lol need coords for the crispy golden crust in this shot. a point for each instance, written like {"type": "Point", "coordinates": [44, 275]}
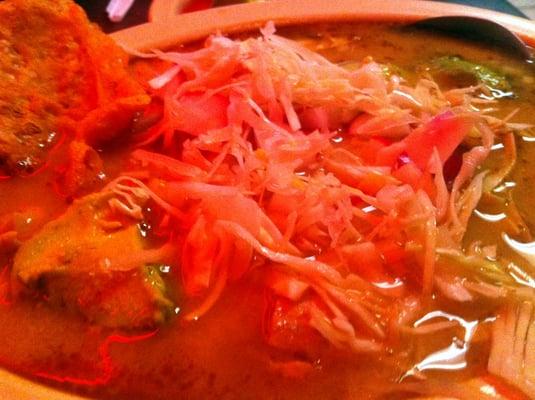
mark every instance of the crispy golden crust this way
{"type": "Point", "coordinates": [56, 69]}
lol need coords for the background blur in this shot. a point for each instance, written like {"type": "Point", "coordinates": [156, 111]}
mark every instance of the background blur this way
{"type": "Point", "coordinates": [527, 7]}
{"type": "Point", "coordinates": [96, 9]}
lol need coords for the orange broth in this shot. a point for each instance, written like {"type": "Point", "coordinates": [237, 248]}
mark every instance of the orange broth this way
{"type": "Point", "coordinates": [223, 355]}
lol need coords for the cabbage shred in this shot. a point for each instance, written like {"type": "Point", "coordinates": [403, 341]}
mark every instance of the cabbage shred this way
{"type": "Point", "coordinates": [331, 180]}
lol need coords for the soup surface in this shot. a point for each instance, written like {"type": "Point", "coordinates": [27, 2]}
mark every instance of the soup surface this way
{"type": "Point", "coordinates": [139, 263]}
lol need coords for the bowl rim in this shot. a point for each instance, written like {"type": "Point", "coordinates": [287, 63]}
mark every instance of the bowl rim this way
{"type": "Point", "coordinates": [193, 26]}
{"type": "Point", "coordinates": [247, 17]}
{"type": "Point", "coordinates": [13, 386]}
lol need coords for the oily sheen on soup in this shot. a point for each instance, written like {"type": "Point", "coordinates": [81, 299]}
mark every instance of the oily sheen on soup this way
{"type": "Point", "coordinates": [337, 211]}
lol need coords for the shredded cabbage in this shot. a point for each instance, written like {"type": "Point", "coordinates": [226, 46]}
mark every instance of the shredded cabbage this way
{"type": "Point", "coordinates": [246, 160]}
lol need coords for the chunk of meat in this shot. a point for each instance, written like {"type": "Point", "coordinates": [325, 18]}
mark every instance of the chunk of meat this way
{"type": "Point", "coordinates": [121, 299]}
{"type": "Point", "coordinates": [83, 172]}
{"type": "Point", "coordinates": [286, 327]}
{"type": "Point", "coordinates": [58, 82]}
{"type": "Point", "coordinates": [17, 226]}
{"type": "Point", "coordinates": [98, 267]}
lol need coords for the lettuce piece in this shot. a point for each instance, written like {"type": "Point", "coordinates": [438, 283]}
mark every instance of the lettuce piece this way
{"type": "Point", "coordinates": [490, 271]}
{"type": "Point", "coordinates": [495, 81]}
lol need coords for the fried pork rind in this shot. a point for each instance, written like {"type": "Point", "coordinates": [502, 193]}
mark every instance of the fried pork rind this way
{"type": "Point", "coordinates": [59, 75]}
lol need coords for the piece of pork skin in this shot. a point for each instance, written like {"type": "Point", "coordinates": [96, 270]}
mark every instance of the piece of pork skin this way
{"type": "Point", "coordinates": [59, 76]}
